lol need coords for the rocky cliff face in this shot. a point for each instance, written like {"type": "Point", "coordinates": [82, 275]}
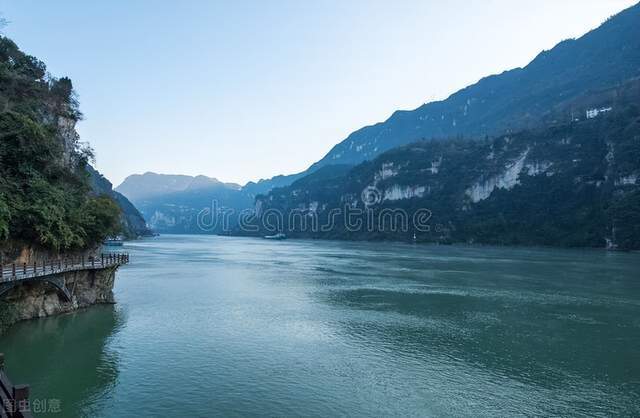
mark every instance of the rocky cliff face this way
{"type": "Point", "coordinates": [69, 138]}
{"type": "Point", "coordinates": [39, 299]}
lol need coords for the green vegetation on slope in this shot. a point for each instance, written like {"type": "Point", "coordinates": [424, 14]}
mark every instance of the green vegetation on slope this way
{"type": "Point", "coordinates": [45, 198]}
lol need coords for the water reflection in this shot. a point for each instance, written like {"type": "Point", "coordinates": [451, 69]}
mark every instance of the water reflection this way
{"type": "Point", "coordinates": [65, 358]}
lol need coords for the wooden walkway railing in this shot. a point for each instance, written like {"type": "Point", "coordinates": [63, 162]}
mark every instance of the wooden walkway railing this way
{"type": "Point", "coordinates": [28, 271]}
{"type": "Point", "coordinates": [15, 398]}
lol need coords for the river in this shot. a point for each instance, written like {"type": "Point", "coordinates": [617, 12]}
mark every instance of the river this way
{"type": "Point", "coordinates": [217, 326]}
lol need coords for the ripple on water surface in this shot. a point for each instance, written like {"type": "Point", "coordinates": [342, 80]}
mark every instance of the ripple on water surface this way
{"type": "Point", "coordinates": [236, 326]}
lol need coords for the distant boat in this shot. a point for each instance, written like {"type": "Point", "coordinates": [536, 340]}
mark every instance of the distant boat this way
{"type": "Point", "coordinates": [114, 242]}
{"type": "Point", "coordinates": [278, 236]}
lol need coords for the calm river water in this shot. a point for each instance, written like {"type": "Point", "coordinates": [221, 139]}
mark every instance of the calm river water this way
{"type": "Point", "coordinates": [213, 326]}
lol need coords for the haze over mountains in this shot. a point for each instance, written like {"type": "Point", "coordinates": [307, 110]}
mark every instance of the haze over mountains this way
{"type": "Point", "coordinates": [554, 88]}
{"type": "Point", "coordinates": [171, 203]}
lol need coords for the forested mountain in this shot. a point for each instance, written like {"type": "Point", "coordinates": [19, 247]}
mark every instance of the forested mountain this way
{"type": "Point", "coordinates": [573, 182]}
{"type": "Point", "coordinates": [46, 201]}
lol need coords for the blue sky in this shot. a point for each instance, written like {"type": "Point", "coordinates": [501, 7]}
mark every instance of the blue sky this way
{"type": "Point", "coordinates": [242, 90]}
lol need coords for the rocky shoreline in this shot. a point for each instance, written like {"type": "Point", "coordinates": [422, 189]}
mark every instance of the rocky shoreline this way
{"type": "Point", "coordinates": [38, 299]}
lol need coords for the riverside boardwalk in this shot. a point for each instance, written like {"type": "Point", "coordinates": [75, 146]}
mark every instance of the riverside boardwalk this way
{"type": "Point", "coordinates": [14, 399]}
{"type": "Point", "coordinates": [49, 270]}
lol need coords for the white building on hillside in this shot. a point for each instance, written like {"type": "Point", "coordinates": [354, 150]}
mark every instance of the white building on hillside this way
{"type": "Point", "coordinates": [592, 113]}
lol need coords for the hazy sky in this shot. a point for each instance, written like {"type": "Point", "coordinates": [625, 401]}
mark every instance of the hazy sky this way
{"type": "Point", "coordinates": [247, 90]}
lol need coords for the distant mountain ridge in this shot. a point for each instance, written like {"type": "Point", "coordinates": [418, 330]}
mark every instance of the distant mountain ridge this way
{"type": "Point", "coordinates": [516, 99]}
{"type": "Point", "coordinates": [137, 187]}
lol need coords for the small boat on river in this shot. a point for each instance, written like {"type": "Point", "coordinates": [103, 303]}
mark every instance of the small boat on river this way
{"type": "Point", "coordinates": [114, 241]}
{"type": "Point", "coordinates": [278, 236]}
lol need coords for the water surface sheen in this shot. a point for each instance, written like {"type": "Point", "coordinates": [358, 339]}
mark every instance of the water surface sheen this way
{"type": "Point", "coordinates": [214, 326]}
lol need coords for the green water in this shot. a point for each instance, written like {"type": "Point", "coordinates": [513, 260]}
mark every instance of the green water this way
{"type": "Point", "coordinates": [212, 326]}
